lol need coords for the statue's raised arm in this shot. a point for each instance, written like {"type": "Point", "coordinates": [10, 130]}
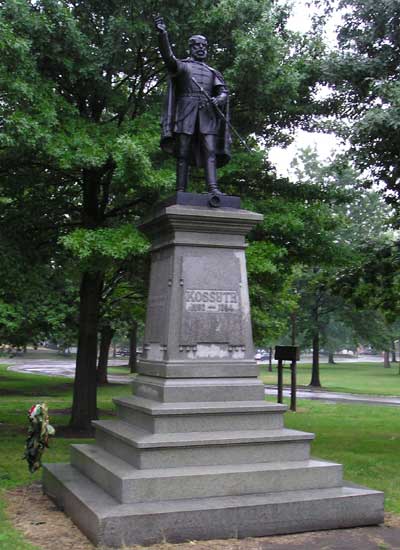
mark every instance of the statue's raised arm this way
{"type": "Point", "coordinates": [195, 122]}
{"type": "Point", "coordinates": [165, 47]}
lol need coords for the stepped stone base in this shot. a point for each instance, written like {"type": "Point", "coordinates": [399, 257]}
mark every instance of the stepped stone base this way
{"type": "Point", "coordinates": [162, 473]}
{"type": "Point", "coordinates": [197, 453]}
{"type": "Point", "coordinates": [107, 522]}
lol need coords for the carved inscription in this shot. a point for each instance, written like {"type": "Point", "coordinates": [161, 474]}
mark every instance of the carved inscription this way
{"type": "Point", "coordinates": [211, 301]}
{"type": "Point", "coordinates": [212, 306]}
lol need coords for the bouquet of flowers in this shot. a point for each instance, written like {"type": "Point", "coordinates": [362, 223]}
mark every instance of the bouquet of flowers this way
{"type": "Point", "coordinates": [39, 431]}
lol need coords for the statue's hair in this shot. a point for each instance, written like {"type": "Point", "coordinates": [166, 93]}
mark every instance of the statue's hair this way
{"type": "Point", "coordinates": [196, 37]}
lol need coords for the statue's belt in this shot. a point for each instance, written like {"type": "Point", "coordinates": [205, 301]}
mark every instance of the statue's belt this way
{"type": "Point", "coordinates": [191, 94]}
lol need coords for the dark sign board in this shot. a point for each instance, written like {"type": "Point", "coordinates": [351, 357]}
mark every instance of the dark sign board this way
{"type": "Point", "coordinates": [287, 353]}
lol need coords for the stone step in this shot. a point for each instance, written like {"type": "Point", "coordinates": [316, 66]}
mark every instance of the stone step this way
{"type": "Point", "coordinates": [127, 484]}
{"type": "Point", "coordinates": [204, 389]}
{"type": "Point", "coordinates": [205, 368]}
{"type": "Point", "coordinates": [156, 417]}
{"type": "Point", "coordinates": [109, 523]}
{"type": "Point", "coordinates": [145, 450]}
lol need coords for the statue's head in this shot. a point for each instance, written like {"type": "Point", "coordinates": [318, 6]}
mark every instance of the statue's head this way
{"type": "Point", "coordinates": [198, 47]}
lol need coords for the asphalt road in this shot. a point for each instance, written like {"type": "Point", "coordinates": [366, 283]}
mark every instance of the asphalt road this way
{"type": "Point", "coordinates": [60, 367]}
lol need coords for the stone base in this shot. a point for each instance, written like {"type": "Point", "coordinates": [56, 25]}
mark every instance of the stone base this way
{"type": "Point", "coordinates": [197, 452]}
{"type": "Point", "coordinates": [198, 369]}
{"type": "Point", "coordinates": [107, 522]}
{"type": "Point", "coordinates": [176, 471]}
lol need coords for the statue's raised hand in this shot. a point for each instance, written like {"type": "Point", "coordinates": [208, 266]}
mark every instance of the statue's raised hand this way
{"type": "Point", "coordinates": [160, 24]}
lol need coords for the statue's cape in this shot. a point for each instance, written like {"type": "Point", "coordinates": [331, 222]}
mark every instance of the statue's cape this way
{"type": "Point", "coordinates": [168, 137]}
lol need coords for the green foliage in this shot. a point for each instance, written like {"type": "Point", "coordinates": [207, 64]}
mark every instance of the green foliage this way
{"type": "Point", "coordinates": [115, 243]}
{"type": "Point", "coordinates": [270, 291]}
{"type": "Point", "coordinates": [9, 318]}
{"type": "Point", "coordinates": [334, 302]}
{"type": "Point", "coordinates": [81, 90]}
{"type": "Point", "coordinates": [363, 75]}
{"type": "Point", "coordinates": [375, 282]}
{"type": "Point", "coordinates": [37, 301]}
{"type": "Point", "coordinates": [80, 101]}
{"type": "Point", "coordinates": [299, 231]}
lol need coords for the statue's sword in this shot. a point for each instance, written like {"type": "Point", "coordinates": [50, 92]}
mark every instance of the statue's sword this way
{"type": "Point", "coordinates": [221, 114]}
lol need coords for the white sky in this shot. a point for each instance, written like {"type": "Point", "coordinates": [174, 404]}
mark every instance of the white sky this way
{"type": "Point", "coordinates": [325, 144]}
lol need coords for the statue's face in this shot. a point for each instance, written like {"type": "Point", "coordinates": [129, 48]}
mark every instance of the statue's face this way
{"type": "Point", "coordinates": [198, 49]}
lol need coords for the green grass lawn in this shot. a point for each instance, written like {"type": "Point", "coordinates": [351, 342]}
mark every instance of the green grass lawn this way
{"type": "Point", "coordinates": [368, 378]}
{"type": "Point", "coordinates": [18, 392]}
{"type": "Point", "coordinates": [120, 369]}
{"type": "Point", "coordinates": [365, 439]}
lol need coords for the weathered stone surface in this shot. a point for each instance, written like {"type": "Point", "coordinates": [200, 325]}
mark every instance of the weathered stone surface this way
{"type": "Point", "coordinates": [107, 522]}
{"type": "Point", "coordinates": [143, 450]}
{"type": "Point", "coordinates": [204, 368]}
{"type": "Point", "coordinates": [199, 417]}
{"type": "Point", "coordinates": [197, 453]}
{"type": "Point", "coordinates": [211, 318]}
{"type": "Point", "coordinates": [127, 484]}
{"type": "Point", "coordinates": [203, 389]}
{"type": "Point", "coordinates": [198, 307]}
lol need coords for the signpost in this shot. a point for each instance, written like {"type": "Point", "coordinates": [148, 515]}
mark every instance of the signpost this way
{"type": "Point", "coordinates": [292, 354]}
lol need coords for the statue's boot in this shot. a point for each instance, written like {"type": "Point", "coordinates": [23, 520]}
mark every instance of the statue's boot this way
{"type": "Point", "coordinates": [213, 189]}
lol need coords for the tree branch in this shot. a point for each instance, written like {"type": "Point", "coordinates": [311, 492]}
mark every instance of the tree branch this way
{"type": "Point", "coordinates": [125, 207]}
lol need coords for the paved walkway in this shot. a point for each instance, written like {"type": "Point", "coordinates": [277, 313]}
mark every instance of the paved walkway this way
{"type": "Point", "coordinates": [66, 367]}
{"type": "Point", "coordinates": [60, 367]}
{"type": "Point", "coordinates": [334, 397]}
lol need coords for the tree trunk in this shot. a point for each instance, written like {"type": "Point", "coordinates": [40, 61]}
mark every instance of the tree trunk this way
{"type": "Point", "coordinates": [132, 347]}
{"type": "Point", "coordinates": [386, 359]}
{"type": "Point", "coordinates": [270, 360]}
{"type": "Point", "coordinates": [84, 405]}
{"type": "Point", "coordinates": [315, 382]}
{"type": "Point", "coordinates": [331, 358]}
{"type": "Point", "coordinates": [106, 335]}
{"type": "Point", "coordinates": [394, 352]}
{"type": "Point", "coordinates": [293, 319]}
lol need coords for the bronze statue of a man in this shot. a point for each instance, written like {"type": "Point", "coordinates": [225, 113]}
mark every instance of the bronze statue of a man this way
{"type": "Point", "coordinates": [192, 128]}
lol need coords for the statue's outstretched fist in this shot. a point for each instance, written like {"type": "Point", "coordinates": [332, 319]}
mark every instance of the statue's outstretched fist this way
{"type": "Point", "coordinates": [160, 24]}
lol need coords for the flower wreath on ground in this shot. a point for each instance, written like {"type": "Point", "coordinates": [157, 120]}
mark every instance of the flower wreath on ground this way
{"type": "Point", "coordinates": [39, 431]}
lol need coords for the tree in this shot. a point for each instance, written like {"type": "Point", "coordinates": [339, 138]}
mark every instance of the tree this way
{"type": "Point", "coordinates": [68, 86]}
{"type": "Point", "coordinates": [80, 93]}
{"type": "Point", "coordinates": [122, 309]}
{"type": "Point", "coordinates": [363, 75]}
{"type": "Point", "coordinates": [373, 287]}
{"type": "Point", "coordinates": [37, 297]}
{"type": "Point", "coordinates": [359, 220]}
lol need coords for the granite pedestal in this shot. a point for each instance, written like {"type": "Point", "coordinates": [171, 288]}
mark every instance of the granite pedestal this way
{"type": "Point", "coordinates": [197, 452]}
